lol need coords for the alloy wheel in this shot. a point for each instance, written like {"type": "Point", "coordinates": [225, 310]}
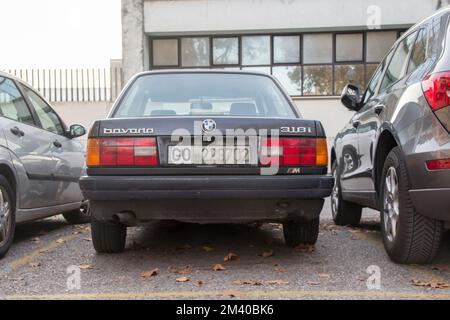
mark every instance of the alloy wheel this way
{"type": "Point", "coordinates": [391, 211]}
{"type": "Point", "coordinates": [5, 217]}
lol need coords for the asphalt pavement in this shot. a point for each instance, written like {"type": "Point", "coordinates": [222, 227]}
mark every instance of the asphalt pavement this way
{"type": "Point", "coordinates": [53, 260]}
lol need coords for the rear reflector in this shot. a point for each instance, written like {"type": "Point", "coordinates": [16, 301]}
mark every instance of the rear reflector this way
{"type": "Point", "coordinates": [436, 88]}
{"type": "Point", "coordinates": [442, 164]}
{"type": "Point", "coordinates": [293, 152]}
{"type": "Point", "coordinates": [122, 152]}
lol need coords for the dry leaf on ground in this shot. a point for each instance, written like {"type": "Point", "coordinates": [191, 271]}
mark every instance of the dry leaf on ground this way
{"type": "Point", "coordinates": [231, 257]}
{"type": "Point", "coordinates": [279, 269]}
{"type": "Point", "coordinates": [198, 283]}
{"type": "Point", "coordinates": [266, 254]}
{"type": "Point", "coordinates": [247, 283]}
{"type": "Point", "coordinates": [148, 274]}
{"type": "Point", "coordinates": [219, 267]}
{"type": "Point", "coordinates": [86, 266]}
{"type": "Point", "coordinates": [434, 283]}
{"type": "Point", "coordinates": [181, 269]}
{"type": "Point", "coordinates": [306, 248]}
{"type": "Point", "coordinates": [60, 241]}
{"type": "Point", "coordinates": [207, 248]}
{"type": "Point", "coordinates": [35, 264]}
{"type": "Point", "coordinates": [324, 275]}
{"type": "Point", "coordinates": [182, 279]}
{"type": "Point", "coordinates": [277, 282]}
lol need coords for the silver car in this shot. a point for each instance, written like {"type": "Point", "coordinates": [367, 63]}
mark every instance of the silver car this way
{"type": "Point", "coordinates": [40, 161]}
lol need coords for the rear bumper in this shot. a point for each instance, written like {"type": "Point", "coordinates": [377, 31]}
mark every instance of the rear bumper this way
{"type": "Point", "coordinates": [206, 199]}
{"type": "Point", "coordinates": [205, 187]}
{"type": "Point", "coordinates": [433, 203]}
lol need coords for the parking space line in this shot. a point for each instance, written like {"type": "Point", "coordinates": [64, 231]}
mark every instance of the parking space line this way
{"type": "Point", "coordinates": [18, 263]}
{"type": "Point", "coordinates": [238, 294]}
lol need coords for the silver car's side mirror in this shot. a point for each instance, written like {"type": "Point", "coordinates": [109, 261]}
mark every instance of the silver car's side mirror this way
{"type": "Point", "coordinates": [76, 131]}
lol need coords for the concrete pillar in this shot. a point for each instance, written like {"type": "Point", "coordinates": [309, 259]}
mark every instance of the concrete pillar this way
{"type": "Point", "coordinates": [133, 37]}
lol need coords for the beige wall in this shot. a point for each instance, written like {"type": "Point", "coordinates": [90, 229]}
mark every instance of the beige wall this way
{"type": "Point", "coordinates": [84, 113]}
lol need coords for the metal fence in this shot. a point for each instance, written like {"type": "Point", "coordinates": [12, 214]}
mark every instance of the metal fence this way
{"type": "Point", "coordinates": [73, 85]}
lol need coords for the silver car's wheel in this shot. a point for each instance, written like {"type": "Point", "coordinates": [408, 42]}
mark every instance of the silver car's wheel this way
{"type": "Point", "coordinates": [391, 210]}
{"type": "Point", "coordinates": [5, 217]}
{"type": "Point", "coordinates": [335, 196]}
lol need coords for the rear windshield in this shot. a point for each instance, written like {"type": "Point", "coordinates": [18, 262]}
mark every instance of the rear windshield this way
{"type": "Point", "coordinates": [204, 94]}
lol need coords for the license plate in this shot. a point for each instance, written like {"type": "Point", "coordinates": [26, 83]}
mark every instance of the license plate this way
{"type": "Point", "coordinates": [210, 155]}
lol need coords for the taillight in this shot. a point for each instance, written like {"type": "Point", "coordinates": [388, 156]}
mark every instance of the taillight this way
{"type": "Point", "coordinates": [293, 152]}
{"type": "Point", "coordinates": [441, 164]}
{"type": "Point", "coordinates": [122, 152]}
{"type": "Point", "coordinates": [436, 88]}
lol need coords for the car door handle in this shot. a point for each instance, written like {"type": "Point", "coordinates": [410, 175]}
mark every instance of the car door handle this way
{"type": "Point", "coordinates": [379, 108]}
{"type": "Point", "coordinates": [57, 144]}
{"type": "Point", "coordinates": [17, 132]}
{"type": "Point", "coordinates": [356, 124]}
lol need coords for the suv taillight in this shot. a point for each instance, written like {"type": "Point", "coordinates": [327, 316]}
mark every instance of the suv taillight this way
{"type": "Point", "coordinates": [436, 88]}
{"type": "Point", "coordinates": [294, 152]}
{"type": "Point", "coordinates": [113, 152]}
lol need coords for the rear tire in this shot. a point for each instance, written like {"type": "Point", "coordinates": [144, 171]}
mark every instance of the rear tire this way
{"type": "Point", "coordinates": [344, 213]}
{"type": "Point", "coordinates": [409, 237]}
{"type": "Point", "coordinates": [108, 237]}
{"type": "Point", "coordinates": [296, 233]}
{"type": "Point", "coordinates": [79, 216]}
{"type": "Point", "coordinates": [7, 216]}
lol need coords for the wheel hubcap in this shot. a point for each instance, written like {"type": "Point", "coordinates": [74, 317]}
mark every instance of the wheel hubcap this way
{"type": "Point", "coordinates": [335, 196]}
{"type": "Point", "coordinates": [5, 217]}
{"type": "Point", "coordinates": [391, 204]}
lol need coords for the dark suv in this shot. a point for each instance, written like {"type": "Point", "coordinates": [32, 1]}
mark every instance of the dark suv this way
{"type": "Point", "coordinates": [394, 154]}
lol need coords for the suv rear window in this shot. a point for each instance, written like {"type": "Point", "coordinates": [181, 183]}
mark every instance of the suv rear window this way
{"type": "Point", "coordinates": [204, 94]}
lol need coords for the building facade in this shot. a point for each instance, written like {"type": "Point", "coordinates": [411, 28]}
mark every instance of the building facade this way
{"type": "Point", "coordinates": [314, 47]}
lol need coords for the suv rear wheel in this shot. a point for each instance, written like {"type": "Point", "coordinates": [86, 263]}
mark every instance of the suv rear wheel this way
{"type": "Point", "coordinates": [296, 232]}
{"type": "Point", "coordinates": [344, 213]}
{"type": "Point", "coordinates": [7, 216]}
{"type": "Point", "coordinates": [408, 236]}
{"type": "Point", "coordinates": [108, 237]}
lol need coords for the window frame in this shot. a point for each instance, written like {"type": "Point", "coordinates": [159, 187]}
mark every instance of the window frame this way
{"type": "Point", "coordinates": [34, 112]}
{"type": "Point", "coordinates": [272, 63]}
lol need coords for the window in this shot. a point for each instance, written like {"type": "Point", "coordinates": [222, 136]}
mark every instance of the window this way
{"type": "Point", "coordinates": [290, 77]}
{"type": "Point", "coordinates": [225, 51]}
{"type": "Point", "coordinates": [349, 47]}
{"type": "Point", "coordinates": [12, 103]}
{"type": "Point", "coordinates": [195, 52]}
{"type": "Point", "coordinates": [48, 118]}
{"type": "Point", "coordinates": [375, 80]}
{"type": "Point", "coordinates": [346, 73]}
{"type": "Point", "coordinates": [318, 48]}
{"type": "Point", "coordinates": [419, 51]}
{"type": "Point", "coordinates": [378, 43]}
{"type": "Point", "coordinates": [396, 67]}
{"type": "Point", "coordinates": [317, 80]}
{"type": "Point", "coordinates": [204, 94]}
{"type": "Point", "coordinates": [165, 52]}
{"type": "Point", "coordinates": [286, 49]}
{"type": "Point", "coordinates": [255, 50]}
{"type": "Point", "coordinates": [305, 64]}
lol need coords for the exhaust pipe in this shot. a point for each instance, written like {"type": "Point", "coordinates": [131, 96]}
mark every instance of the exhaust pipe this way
{"type": "Point", "coordinates": [127, 217]}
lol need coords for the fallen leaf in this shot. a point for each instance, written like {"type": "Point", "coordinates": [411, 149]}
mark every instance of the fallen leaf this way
{"type": "Point", "coordinates": [266, 254]}
{"type": "Point", "coordinates": [207, 248]}
{"type": "Point", "coordinates": [60, 241]}
{"type": "Point", "coordinates": [277, 282]}
{"type": "Point", "coordinates": [232, 293]}
{"type": "Point", "coordinates": [148, 274]}
{"type": "Point", "coordinates": [182, 279]}
{"type": "Point", "coordinates": [35, 264]}
{"type": "Point", "coordinates": [313, 283]}
{"type": "Point", "coordinates": [231, 257]}
{"type": "Point", "coordinates": [279, 269]}
{"type": "Point", "coordinates": [86, 266]}
{"type": "Point", "coordinates": [198, 283]}
{"type": "Point", "coordinates": [306, 248]}
{"type": "Point", "coordinates": [434, 283]}
{"type": "Point", "coordinates": [181, 270]}
{"type": "Point", "coordinates": [247, 283]}
{"type": "Point", "coordinates": [324, 275]}
{"type": "Point", "coordinates": [219, 267]}
{"type": "Point", "coordinates": [87, 239]}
